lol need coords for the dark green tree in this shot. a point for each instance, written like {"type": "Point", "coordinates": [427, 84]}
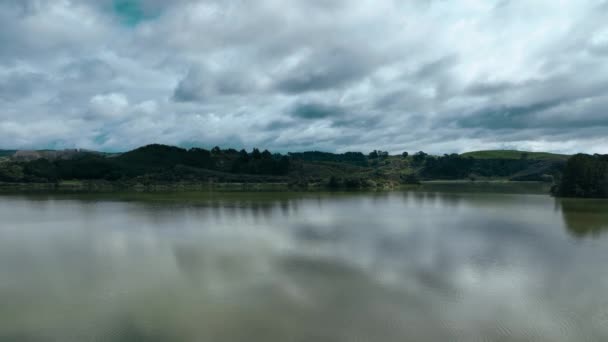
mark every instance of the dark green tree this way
{"type": "Point", "coordinates": [255, 154]}
{"type": "Point", "coordinates": [419, 157]}
{"type": "Point", "coordinates": [266, 155]}
{"type": "Point", "coordinates": [584, 176]}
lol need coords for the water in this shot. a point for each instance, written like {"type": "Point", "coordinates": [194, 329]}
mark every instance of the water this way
{"type": "Point", "coordinates": [399, 266]}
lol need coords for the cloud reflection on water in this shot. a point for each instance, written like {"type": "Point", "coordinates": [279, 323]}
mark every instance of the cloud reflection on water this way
{"type": "Point", "coordinates": [418, 265]}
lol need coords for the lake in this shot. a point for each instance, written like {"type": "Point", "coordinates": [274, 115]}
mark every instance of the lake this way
{"type": "Point", "coordinates": [425, 265]}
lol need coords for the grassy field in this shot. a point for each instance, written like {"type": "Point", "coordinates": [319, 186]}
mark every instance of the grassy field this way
{"type": "Point", "coordinates": [514, 154]}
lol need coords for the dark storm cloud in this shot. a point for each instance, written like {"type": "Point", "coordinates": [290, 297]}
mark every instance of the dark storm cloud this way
{"type": "Point", "coordinates": [368, 121]}
{"type": "Point", "coordinates": [484, 88]}
{"type": "Point", "coordinates": [551, 115]}
{"type": "Point", "coordinates": [279, 125]}
{"type": "Point", "coordinates": [89, 69]}
{"type": "Point", "coordinates": [17, 85]}
{"type": "Point", "coordinates": [505, 116]}
{"type": "Point", "coordinates": [436, 68]}
{"type": "Point", "coordinates": [561, 102]}
{"type": "Point", "coordinates": [313, 111]}
{"type": "Point", "coordinates": [335, 75]}
{"type": "Point", "coordinates": [25, 7]}
{"type": "Point", "coordinates": [324, 70]}
{"type": "Point", "coordinates": [201, 84]}
{"type": "Point", "coordinates": [192, 87]}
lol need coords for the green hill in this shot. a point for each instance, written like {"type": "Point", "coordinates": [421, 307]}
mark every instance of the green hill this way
{"type": "Point", "coordinates": [514, 154]}
{"type": "Point", "coordinates": [162, 163]}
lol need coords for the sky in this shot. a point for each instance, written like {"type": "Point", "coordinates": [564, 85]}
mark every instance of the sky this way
{"type": "Point", "coordinates": [333, 75]}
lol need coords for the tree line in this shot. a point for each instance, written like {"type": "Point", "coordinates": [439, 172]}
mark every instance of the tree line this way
{"type": "Point", "coordinates": [584, 176]}
{"type": "Point", "coordinates": [581, 176]}
{"type": "Point", "coordinates": [160, 161]}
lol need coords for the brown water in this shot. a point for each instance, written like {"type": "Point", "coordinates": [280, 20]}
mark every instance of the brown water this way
{"type": "Point", "coordinates": [399, 266]}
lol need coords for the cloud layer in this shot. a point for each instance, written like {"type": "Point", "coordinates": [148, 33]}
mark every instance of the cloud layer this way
{"type": "Point", "coordinates": [333, 75]}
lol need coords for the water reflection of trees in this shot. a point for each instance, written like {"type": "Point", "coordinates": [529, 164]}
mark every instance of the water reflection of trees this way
{"type": "Point", "coordinates": [584, 217]}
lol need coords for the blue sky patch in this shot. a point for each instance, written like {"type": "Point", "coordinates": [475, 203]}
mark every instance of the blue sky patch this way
{"type": "Point", "coordinates": [131, 12]}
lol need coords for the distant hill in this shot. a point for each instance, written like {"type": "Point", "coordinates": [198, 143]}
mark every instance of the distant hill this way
{"type": "Point", "coordinates": [514, 154]}
{"type": "Point", "coordinates": [162, 163]}
{"type": "Point", "coordinates": [31, 155]}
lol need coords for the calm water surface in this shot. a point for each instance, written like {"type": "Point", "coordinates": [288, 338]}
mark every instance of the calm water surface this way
{"type": "Point", "coordinates": [399, 266]}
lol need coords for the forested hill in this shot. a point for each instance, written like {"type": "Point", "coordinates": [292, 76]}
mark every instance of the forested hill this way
{"type": "Point", "coordinates": [161, 163]}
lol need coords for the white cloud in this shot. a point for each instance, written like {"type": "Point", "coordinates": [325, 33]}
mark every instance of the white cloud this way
{"type": "Point", "coordinates": [109, 106]}
{"type": "Point", "coordinates": [434, 75]}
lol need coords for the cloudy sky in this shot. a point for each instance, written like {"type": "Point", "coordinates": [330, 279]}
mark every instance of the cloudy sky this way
{"type": "Point", "coordinates": [336, 75]}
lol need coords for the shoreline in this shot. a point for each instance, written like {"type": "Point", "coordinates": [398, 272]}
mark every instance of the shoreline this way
{"type": "Point", "coordinates": [107, 186]}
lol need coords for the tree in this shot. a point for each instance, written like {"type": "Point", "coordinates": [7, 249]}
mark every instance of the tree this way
{"type": "Point", "coordinates": [377, 154]}
{"type": "Point", "coordinates": [243, 155]}
{"type": "Point", "coordinates": [333, 182]}
{"type": "Point", "coordinates": [448, 166]}
{"type": "Point", "coordinates": [584, 176]}
{"type": "Point", "coordinates": [404, 155]}
{"type": "Point", "coordinates": [283, 166]}
{"type": "Point", "coordinates": [266, 155]}
{"type": "Point", "coordinates": [420, 157]}
{"type": "Point", "coordinates": [410, 179]}
{"type": "Point", "coordinates": [10, 172]}
{"type": "Point", "coordinates": [255, 154]}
